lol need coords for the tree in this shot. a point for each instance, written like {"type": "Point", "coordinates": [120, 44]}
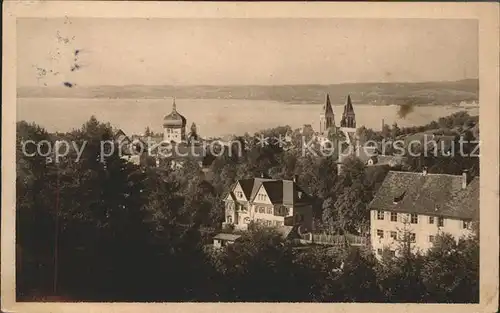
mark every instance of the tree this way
{"type": "Point", "coordinates": [451, 270]}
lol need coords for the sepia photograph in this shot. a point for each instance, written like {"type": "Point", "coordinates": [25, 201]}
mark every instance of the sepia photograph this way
{"type": "Point", "coordinates": [266, 159]}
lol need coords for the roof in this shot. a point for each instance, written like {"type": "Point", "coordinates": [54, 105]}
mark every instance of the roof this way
{"type": "Point", "coordinates": [284, 231]}
{"type": "Point", "coordinates": [120, 137]}
{"type": "Point", "coordinates": [230, 237]}
{"type": "Point", "coordinates": [327, 108]}
{"type": "Point", "coordinates": [433, 194]}
{"type": "Point", "coordinates": [174, 119]}
{"type": "Point", "coordinates": [465, 203]}
{"type": "Point", "coordinates": [285, 192]}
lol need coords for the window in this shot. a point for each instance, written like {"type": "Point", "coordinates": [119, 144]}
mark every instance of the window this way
{"type": "Point", "coordinates": [394, 217]}
{"type": "Point", "coordinates": [394, 235]}
{"type": "Point", "coordinates": [392, 253]}
{"type": "Point", "coordinates": [414, 219]}
{"type": "Point", "coordinates": [380, 233]}
{"type": "Point", "coordinates": [465, 224]}
{"type": "Point", "coordinates": [262, 209]}
{"type": "Point", "coordinates": [379, 251]}
{"type": "Point", "coordinates": [413, 237]}
{"type": "Point", "coordinates": [440, 221]}
{"type": "Point", "coordinates": [380, 215]}
{"type": "Point", "coordinates": [229, 219]}
{"type": "Point", "coordinates": [269, 210]}
{"type": "Point", "coordinates": [431, 219]}
{"type": "Point", "coordinates": [256, 209]}
{"type": "Point", "coordinates": [432, 238]}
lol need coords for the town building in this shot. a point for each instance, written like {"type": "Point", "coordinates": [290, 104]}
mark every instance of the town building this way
{"type": "Point", "coordinates": [268, 202]}
{"type": "Point", "coordinates": [222, 240]}
{"type": "Point", "coordinates": [174, 126]}
{"type": "Point", "coordinates": [414, 208]}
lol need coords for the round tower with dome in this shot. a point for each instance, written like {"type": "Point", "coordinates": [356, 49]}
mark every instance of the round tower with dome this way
{"type": "Point", "coordinates": [174, 126]}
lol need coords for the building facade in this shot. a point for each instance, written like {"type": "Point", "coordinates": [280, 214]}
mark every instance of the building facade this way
{"type": "Point", "coordinates": [267, 202]}
{"type": "Point", "coordinates": [414, 208]}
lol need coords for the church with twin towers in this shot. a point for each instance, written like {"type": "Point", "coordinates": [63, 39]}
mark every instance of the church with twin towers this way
{"type": "Point", "coordinates": [347, 127]}
{"type": "Point", "coordinates": [347, 122]}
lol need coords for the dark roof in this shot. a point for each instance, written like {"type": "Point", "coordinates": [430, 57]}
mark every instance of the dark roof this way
{"type": "Point", "coordinates": [466, 202]}
{"type": "Point", "coordinates": [284, 192]}
{"type": "Point", "coordinates": [348, 108]}
{"type": "Point", "coordinates": [120, 137]}
{"type": "Point", "coordinates": [230, 237]}
{"type": "Point", "coordinates": [327, 108]}
{"type": "Point", "coordinates": [434, 194]}
{"type": "Point", "coordinates": [174, 119]}
{"type": "Point", "coordinates": [250, 186]}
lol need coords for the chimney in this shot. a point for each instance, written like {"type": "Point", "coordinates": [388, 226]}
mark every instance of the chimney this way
{"type": "Point", "coordinates": [262, 175]}
{"type": "Point", "coordinates": [465, 178]}
{"type": "Point", "coordinates": [424, 171]}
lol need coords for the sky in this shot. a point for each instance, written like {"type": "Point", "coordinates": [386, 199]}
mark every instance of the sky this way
{"type": "Point", "coordinates": [243, 51]}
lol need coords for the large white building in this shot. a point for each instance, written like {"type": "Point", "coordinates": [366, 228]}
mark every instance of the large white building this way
{"type": "Point", "coordinates": [269, 202]}
{"type": "Point", "coordinates": [416, 207]}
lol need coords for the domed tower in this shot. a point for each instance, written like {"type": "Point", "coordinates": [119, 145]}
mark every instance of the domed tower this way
{"type": "Point", "coordinates": [174, 126]}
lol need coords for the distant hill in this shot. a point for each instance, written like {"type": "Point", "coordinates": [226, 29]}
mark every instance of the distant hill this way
{"type": "Point", "coordinates": [362, 93]}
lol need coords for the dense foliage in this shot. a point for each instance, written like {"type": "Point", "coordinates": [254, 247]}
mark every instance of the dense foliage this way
{"type": "Point", "coordinates": [115, 231]}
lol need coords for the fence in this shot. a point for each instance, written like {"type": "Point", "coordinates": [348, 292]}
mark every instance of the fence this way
{"type": "Point", "coordinates": [335, 240]}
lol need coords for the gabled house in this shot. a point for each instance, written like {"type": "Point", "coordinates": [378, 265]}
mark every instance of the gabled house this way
{"type": "Point", "coordinates": [416, 207]}
{"type": "Point", "coordinates": [267, 202]}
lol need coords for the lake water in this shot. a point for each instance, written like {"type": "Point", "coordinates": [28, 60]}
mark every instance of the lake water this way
{"type": "Point", "coordinates": [213, 117]}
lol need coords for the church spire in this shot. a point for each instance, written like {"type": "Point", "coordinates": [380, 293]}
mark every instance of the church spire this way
{"type": "Point", "coordinates": [328, 105]}
{"type": "Point", "coordinates": [174, 106]}
{"type": "Point", "coordinates": [349, 105]}
{"type": "Point", "coordinates": [348, 117]}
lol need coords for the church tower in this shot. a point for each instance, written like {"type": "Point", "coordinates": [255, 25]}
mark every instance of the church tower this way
{"type": "Point", "coordinates": [348, 127]}
{"type": "Point", "coordinates": [348, 122]}
{"type": "Point", "coordinates": [348, 117]}
{"type": "Point", "coordinates": [174, 126]}
{"type": "Point", "coordinates": [327, 117]}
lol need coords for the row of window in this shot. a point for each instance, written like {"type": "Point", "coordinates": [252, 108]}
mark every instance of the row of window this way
{"type": "Point", "coordinates": [269, 222]}
{"type": "Point", "coordinates": [394, 235]}
{"type": "Point", "coordinates": [261, 209]}
{"type": "Point", "coordinates": [170, 131]}
{"type": "Point", "coordinates": [261, 197]}
{"type": "Point", "coordinates": [413, 218]}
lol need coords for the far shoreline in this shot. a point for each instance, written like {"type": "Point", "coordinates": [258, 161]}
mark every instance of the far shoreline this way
{"type": "Point", "coordinates": [467, 106]}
